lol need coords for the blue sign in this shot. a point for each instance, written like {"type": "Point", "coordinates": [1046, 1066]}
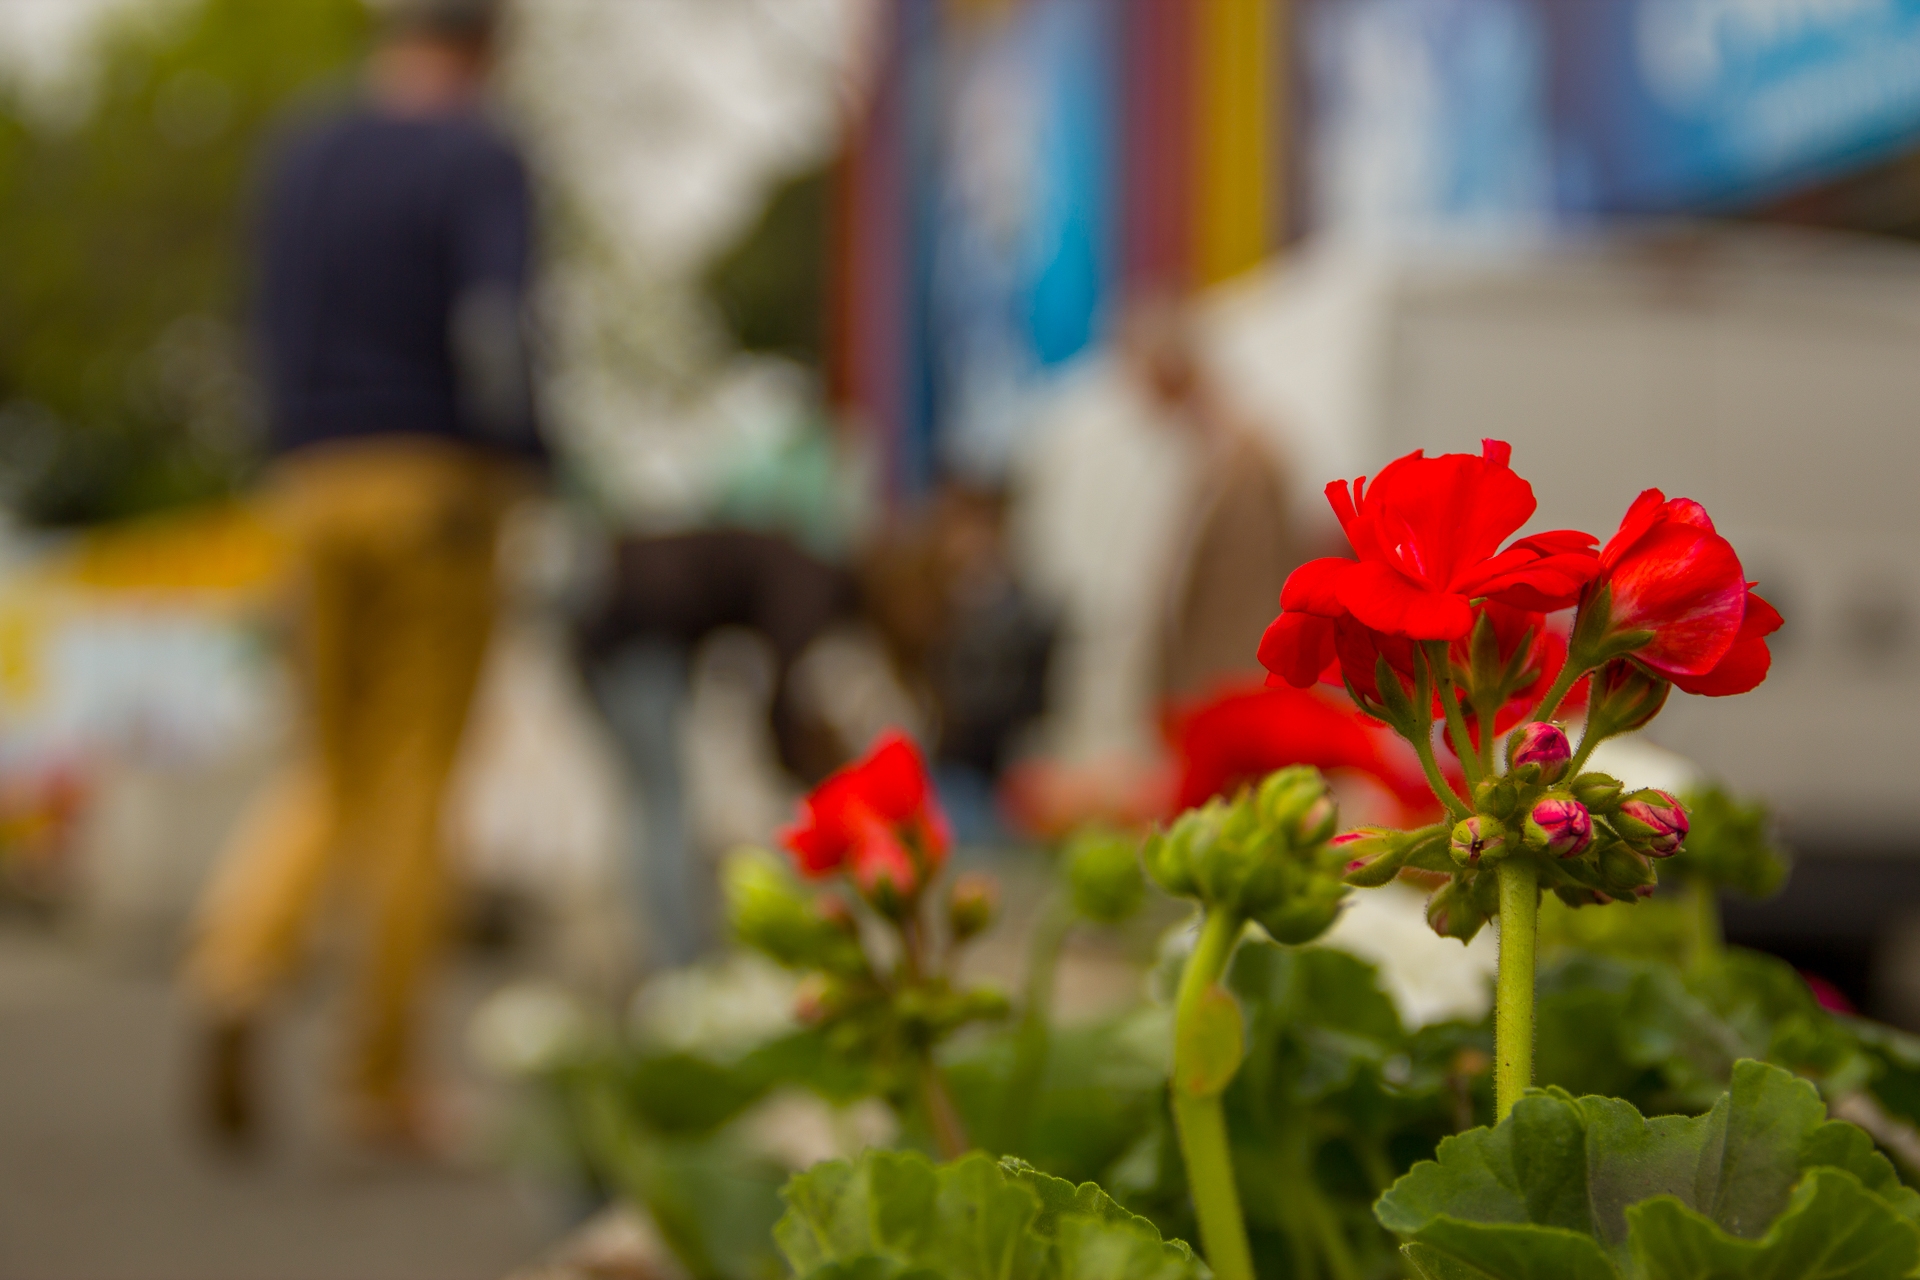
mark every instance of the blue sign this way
{"type": "Point", "coordinates": [1664, 105]}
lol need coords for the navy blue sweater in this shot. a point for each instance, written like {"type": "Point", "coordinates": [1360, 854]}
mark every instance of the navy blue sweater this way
{"type": "Point", "coordinates": [378, 232]}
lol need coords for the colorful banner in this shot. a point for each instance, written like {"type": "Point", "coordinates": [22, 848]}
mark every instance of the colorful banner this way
{"type": "Point", "coordinates": [1016, 172]}
{"type": "Point", "coordinates": [1664, 105]}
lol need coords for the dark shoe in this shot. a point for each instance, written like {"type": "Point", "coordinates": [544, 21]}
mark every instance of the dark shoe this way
{"type": "Point", "coordinates": [229, 1105]}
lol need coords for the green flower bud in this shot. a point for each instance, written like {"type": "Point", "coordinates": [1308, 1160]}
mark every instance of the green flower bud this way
{"type": "Point", "coordinates": [1497, 797]}
{"type": "Point", "coordinates": [1478, 840]}
{"type": "Point", "coordinates": [1623, 871]}
{"type": "Point", "coordinates": [1170, 854]}
{"type": "Point", "coordinates": [1258, 855]}
{"type": "Point", "coordinates": [1371, 856]}
{"type": "Point", "coordinates": [1296, 801]}
{"type": "Point", "coordinates": [1304, 916]}
{"type": "Point", "coordinates": [971, 905]}
{"type": "Point", "coordinates": [1103, 869]}
{"type": "Point", "coordinates": [774, 915]}
{"type": "Point", "coordinates": [1452, 911]}
{"type": "Point", "coordinates": [1597, 791]}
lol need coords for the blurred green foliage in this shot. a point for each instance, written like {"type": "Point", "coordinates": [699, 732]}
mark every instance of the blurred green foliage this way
{"type": "Point", "coordinates": [123, 364]}
{"type": "Point", "coordinates": [771, 286]}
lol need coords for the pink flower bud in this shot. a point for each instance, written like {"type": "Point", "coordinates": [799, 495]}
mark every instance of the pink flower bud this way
{"type": "Point", "coordinates": [1652, 822]}
{"type": "Point", "coordinates": [1543, 744]}
{"type": "Point", "coordinates": [1360, 846]}
{"type": "Point", "coordinates": [1560, 827]}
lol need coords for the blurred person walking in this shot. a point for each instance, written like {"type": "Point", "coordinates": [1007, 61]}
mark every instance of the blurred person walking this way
{"type": "Point", "coordinates": [394, 259]}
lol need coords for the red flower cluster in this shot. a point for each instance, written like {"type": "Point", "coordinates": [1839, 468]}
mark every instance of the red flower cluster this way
{"type": "Point", "coordinates": [1426, 539]}
{"type": "Point", "coordinates": [1428, 565]}
{"type": "Point", "coordinates": [878, 820]}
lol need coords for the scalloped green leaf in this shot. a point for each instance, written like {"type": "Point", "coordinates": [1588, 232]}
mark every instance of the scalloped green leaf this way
{"type": "Point", "coordinates": [895, 1216]}
{"type": "Point", "coordinates": [1833, 1229]}
{"type": "Point", "coordinates": [1763, 1185]}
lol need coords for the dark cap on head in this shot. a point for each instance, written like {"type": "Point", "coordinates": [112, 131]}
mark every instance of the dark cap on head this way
{"type": "Point", "coordinates": [453, 19]}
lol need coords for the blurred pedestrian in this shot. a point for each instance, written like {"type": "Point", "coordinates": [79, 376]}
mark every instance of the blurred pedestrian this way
{"type": "Point", "coordinates": [1152, 517]}
{"type": "Point", "coordinates": [394, 258]}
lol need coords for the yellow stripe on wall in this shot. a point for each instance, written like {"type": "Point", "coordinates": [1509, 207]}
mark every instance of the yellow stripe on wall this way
{"type": "Point", "coordinates": [1235, 48]}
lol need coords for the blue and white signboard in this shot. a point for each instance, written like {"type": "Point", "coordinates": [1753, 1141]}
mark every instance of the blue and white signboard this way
{"type": "Point", "coordinates": [1455, 114]}
{"type": "Point", "coordinates": [1676, 104]}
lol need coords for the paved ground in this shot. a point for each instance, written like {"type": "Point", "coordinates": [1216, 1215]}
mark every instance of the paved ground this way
{"type": "Point", "coordinates": [101, 1177]}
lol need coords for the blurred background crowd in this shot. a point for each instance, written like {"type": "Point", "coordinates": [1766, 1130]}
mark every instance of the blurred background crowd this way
{"type": "Point", "coordinates": [806, 368]}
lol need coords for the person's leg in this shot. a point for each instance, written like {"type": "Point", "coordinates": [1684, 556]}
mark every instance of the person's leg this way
{"type": "Point", "coordinates": [254, 915]}
{"type": "Point", "coordinates": [429, 608]}
{"type": "Point", "coordinates": [641, 688]}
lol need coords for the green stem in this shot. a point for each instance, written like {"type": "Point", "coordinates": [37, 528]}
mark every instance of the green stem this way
{"type": "Point", "coordinates": [1333, 1241]}
{"type": "Point", "coordinates": [949, 1133]}
{"type": "Point", "coordinates": [1036, 1022]}
{"type": "Point", "coordinates": [1202, 1122]}
{"type": "Point", "coordinates": [1513, 1006]}
{"type": "Point", "coordinates": [1423, 747]}
{"type": "Point", "coordinates": [1304, 1209]}
{"type": "Point", "coordinates": [1569, 676]}
{"type": "Point", "coordinates": [1463, 748]}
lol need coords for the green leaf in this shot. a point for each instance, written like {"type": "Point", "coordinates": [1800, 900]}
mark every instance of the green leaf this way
{"type": "Point", "coordinates": [1431, 1264]}
{"type": "Point", "coordinates": [1514, 1251]}
{"type": "Point", "coordinates": [1763, 1185]}
{"type": "Point", "coordinates": [895, 1215]}
{"type": "Point", "coordinates": [1209, 1045]}
{"type": "Point", "coordinates": [1833, 1229]}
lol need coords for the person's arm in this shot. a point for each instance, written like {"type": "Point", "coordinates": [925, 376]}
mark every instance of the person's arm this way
{"type": "Point", "coordinates": [488, 330]}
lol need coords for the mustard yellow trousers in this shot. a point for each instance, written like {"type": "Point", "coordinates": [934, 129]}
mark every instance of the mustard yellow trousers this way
{"type": "Point", "coordinates": [392, 542]}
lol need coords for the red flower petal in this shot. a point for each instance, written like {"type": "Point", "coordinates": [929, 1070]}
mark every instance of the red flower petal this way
{"type": "Point", "coordinates": [1385, 600]}
{"type": "Point", "coordinates": [1439, 518]}
{"type": "Point", "coordinates": [1298, 648]}
{"type": "Point", "coordinates": [1314, 587]}
{"type": "Point", "coordinates": [1685, 585]}
{"type": "Point", "coordinates": [1747, 662]}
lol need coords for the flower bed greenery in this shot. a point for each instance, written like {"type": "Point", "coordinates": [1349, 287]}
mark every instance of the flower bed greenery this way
{"type": "Point", "coordinates": [1644, 1103]}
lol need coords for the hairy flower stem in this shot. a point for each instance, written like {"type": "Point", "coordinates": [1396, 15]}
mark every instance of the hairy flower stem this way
{"type": "Point", "coordinates": [1513, 1003]}
{"type": "Point", "coordinates": [1463, 748]}
{"type": "Point", "coordinates": [1588, 741]}
{"type": "Point", "coordinates": [1557, 692]}
{"type": "Point", "coordinates": [1202, 1121]}
{"type": "Point", "coordinates": [1423, 747]}
{"type": "Point", "coordinates": [1036, 1021]}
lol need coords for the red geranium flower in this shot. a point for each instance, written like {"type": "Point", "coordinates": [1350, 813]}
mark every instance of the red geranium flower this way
{"type": "Point", "coordinates": [1674, 578]}
{"type": "Point", "coordinates": [1746, 663]}
{"type": "Point", "coordinates": [1426, 536]}
{"type": "Point", "coordinates": [876, 819]}
{"type": "Point", "coordinates": [1244, 733]}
